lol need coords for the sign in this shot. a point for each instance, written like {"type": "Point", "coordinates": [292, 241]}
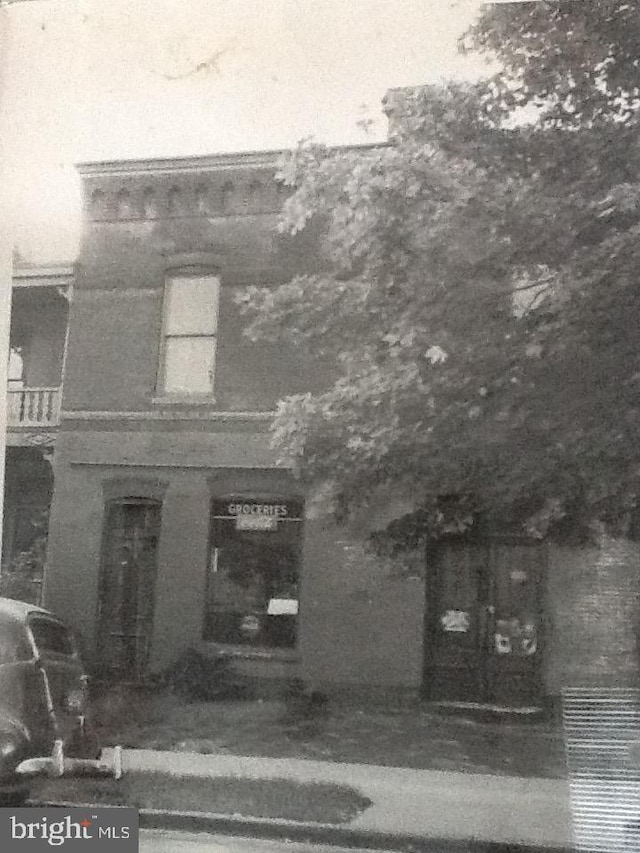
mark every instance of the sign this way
{"type": "Point", "coordinates": [113, 830]}
{"type": "Point", "coordinates": [250, 625]}
{"type": "Point", "coordinates": [249, 508]}
{"type": "Point", "coordinates": [256, 522]}
{"type": "Point", "coordinates": [257, 514]}
{"type": "Point", "coordinates": [518, 576]}
{"type": "Point", "coordinates": [282, 607]}
{"type": "Point", "coordinates": [456, 621]}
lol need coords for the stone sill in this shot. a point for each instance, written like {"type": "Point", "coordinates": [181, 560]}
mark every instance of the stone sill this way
{"type": "Point", "coordinates": [184, 400]}
{"type": "Point", "coordinates": [258, 653]}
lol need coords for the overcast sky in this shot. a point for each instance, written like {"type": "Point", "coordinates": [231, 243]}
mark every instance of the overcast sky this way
{"type": "Point", "coordinates": [116, 79]}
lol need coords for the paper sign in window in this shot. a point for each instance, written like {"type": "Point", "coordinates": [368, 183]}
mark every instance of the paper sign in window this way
{"type": "Point", "coordinates": [456, 621]}
{"type": "Point", "coordinates": [282, 607]}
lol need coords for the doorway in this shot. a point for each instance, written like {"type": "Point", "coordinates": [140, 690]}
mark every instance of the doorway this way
{"type": "Point", "coordinates": [483, 639]}
{"type": "Point", "coordinates": [127, 590]}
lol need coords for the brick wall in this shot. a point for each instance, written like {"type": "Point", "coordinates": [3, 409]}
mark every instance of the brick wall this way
{"type": "Point", "coordinates": [360, 626]}
{"type": "Point", "coordinates": [592, 604]}
{"type": "Point", "coordinates": [134, 225]}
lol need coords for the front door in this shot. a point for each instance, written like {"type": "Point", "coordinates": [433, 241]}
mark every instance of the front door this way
{"type": "Point", "coordinates": [483, 637]}
{"type": "Point", "coordinates": [127, 587]}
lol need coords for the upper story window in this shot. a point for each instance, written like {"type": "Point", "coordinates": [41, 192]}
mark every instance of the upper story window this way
{"type": "Point", "coordinates": [16, 367]}
{"type": "Point", "coordinates": [190, 329]}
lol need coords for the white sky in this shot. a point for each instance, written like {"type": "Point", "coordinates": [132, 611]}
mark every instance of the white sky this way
{"type": "Point", "coordinates": [116, 79]}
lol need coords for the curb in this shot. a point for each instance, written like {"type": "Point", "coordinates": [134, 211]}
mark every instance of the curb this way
{"type": "Point", "coordinates": [311, 833]}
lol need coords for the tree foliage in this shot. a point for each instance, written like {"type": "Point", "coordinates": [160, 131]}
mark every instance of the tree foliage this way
{"type": "Point", "coordinates": [22, 577]}
{"type": "Point", "coordinates": [480, 295]}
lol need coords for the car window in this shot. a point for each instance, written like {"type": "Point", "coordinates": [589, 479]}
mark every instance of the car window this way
{"type": "Point", "coordinates": [9, 651]}
{"type": "Point", "coordinates": [51, 637]}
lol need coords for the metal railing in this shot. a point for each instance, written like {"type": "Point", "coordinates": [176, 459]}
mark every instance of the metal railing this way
{"type": "Point", "coordinates": [33, 406]}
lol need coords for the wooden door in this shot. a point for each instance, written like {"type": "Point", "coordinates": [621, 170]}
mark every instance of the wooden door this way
{"type": "Point", "coordinates": [484, 615]}
{"type": "Point", "coordinates": [127, 593]}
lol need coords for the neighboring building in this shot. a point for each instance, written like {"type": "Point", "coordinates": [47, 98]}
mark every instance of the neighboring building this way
{"type": "Point", "coordinates": [172, 523]}
{"type": "Point", "coordinates": [39, 323]}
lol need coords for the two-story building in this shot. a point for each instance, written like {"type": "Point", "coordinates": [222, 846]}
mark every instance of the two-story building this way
{"type": "Point", "coordinates": [172, 522]}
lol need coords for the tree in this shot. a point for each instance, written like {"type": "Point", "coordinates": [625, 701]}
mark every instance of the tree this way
{"type": "Point", "coordinates": [23, 576]}
{"type": "Point", "coordinates": [576, 62]}
{"type": "Point", "coordinates": [480, 294]}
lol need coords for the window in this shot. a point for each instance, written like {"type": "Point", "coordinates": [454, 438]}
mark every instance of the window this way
{"type": "Point", "coordinates": [190, 327]}
{"type": "Point", "coordinates": [252, 594]}
{"type": "Point", "coordinates": [16, 367]}
{"type": "Point", "coordinates": [51, 637]}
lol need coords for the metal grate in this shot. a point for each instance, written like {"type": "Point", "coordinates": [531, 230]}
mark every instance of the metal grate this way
{"type": "Point", "coordinates": [602, 741]}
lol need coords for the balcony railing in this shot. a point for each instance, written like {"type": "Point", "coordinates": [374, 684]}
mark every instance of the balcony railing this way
{"type": "Point", "coordinates": [31, 407]}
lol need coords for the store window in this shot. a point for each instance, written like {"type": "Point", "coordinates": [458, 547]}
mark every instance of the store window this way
{"type": "Point", "coordinates": [254, 569]}
{"type": "Point", "coordinates": [189, 335]}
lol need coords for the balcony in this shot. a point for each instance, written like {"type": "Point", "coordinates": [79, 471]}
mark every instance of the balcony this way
{"type": "Point", "coordinates": [39, 328]}
{"type": "Point", "coordinates": [33, 407]}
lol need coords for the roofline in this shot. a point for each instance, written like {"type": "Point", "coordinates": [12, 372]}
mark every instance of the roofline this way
{"type": "Point", "coordinates": [218, 162]}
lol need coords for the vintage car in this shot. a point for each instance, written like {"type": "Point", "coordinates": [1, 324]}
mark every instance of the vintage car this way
{"type": "Point", "coordinates": [44, 727]}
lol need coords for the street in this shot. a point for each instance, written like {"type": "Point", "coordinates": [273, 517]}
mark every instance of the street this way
{"type": "Point", "coordinates": [161, 841]}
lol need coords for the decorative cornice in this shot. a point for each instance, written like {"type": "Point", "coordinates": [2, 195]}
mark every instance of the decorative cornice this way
{"type": "Point", "coordinates": [211, 162]}
{"type": "Point", "coordinates": [28, 437]}
{"type": "Point", "coordinates": [170, 165]}
{"type": "Point", "coordinates": [128, 197]}
{"type": "Point", "coordinates": [222, 185]}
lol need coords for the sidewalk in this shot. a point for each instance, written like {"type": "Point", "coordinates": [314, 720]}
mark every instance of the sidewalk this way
{"type": "Point", "coordinates": [428, 804]}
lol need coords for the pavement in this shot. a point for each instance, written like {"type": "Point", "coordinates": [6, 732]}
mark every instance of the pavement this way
{"type": "Point", "coordinates": [411, 809]}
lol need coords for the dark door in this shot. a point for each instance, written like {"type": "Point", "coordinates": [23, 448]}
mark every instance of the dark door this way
{"type": "Point", "coordinates": [484, 619]}
{"type": "Point", "coordinates": [128, 586]}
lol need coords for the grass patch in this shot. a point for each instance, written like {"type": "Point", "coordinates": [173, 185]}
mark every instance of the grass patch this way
{"type": "Point", "coordinates": [412, 738]}
{"type": "Point", "coordinates": [261, 798]}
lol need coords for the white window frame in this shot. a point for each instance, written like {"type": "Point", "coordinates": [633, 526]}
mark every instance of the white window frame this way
{"type": "Point", "coordinates": [161, 382]}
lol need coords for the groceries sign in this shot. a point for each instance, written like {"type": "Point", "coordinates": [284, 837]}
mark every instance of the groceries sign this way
{"type": "Point", "coordinates": [257, 515]}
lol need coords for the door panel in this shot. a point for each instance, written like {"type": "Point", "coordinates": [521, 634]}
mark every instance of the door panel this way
{"type": "Point", "coordinates": [513, 665]}
{"type": "Point", "coordinates": [454, 671]}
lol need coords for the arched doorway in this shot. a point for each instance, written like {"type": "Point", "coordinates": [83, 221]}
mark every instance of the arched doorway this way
{"type": "Point", "coordinates": [127, 586]}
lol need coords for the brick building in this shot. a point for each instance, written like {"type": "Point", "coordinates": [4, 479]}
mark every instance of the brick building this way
{"type": "Point", "coordinates": [172, 523]}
